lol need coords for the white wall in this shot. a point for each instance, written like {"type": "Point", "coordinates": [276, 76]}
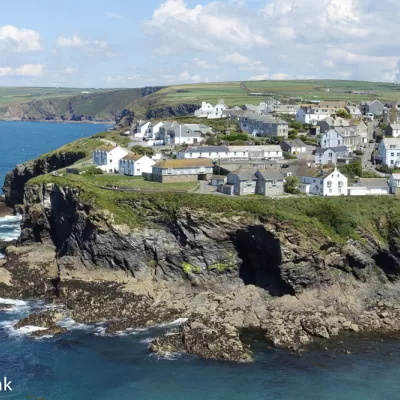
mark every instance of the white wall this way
{"type": "Point", "coordinates": [335, 184]}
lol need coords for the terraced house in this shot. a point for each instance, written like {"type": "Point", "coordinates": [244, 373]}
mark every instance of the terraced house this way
{"type": "Point", "coordinates": [172, 133]}
{"type": "Point", "coordinates": [264, 125]}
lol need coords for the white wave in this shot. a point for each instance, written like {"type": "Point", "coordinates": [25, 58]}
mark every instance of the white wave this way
{"type": "Point", "coordinates": [2, 256]}
{"type": "Point", "coordinates": [167, 356]}
{"type": "Point", "coordinates": [24, 331]}
{"type": "Point", "coordinates": [148, 340]}
{"type": "Point", "coordinates": [11, 225]}
{"type": "Point", "coordinates": [13, 302]}
{"type": "Point", "coordinates": [10, 218]}
{"type": "Point", "coordinates": [70, 324]}
{"type": "Point", "coordinates": [172, 324]}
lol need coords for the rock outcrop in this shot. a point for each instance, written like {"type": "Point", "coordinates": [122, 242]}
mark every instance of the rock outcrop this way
{"type": "Point", "coordinates": [223, 273]}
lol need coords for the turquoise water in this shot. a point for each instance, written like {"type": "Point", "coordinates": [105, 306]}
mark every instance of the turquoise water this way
{"type": "Point", "coordinates": [83, 365]}
{"type": "Point", "coordinates": [23, 141]}
{"type": "Point", "coordinates": [86, 365]}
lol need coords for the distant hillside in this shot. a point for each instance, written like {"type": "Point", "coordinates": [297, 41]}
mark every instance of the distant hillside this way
{"type": "Point", "coordinates": [123, 105]}
{"type": "Point", "coordinates": [98, 105]}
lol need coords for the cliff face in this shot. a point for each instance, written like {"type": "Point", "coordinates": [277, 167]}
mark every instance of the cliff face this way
{"type": "Point", "coordinates": [223, 272]}
{"type": "Point", "coordinates": [15, 180]}
{"type": "Point", "coordinates": [180, 110]}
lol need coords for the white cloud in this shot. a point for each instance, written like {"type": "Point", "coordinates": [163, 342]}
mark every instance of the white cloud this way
{"type": "Point", "coordinates": [329, 63]}
{"type": "Point", "coordinates": [5, 71]}
{"type": "Point", "coordinates": [69, 70]}
{"type": "Point", "coordinates": [235, 58]}
{"type": "Point", "coordinates": [19, 40]}
{"type": "Point", "coordinates": [203, 64]}
{"type": "Point", "coordinates": [206, 28]}
{"type": "Point", "coordinates": [261, 77]}
{"type": "Point", "coordinates": [113, 15]}
{"type": "Point", "coordinates": [187, 77]}
{"type": "Point", "coordinates": [75, 41]}
{"type": "Point", "coordinates": [280, 76]}
{"type": "Point", "coordinates": [28, 70]}
{"type": "Point", "coordinates": [255, 66]}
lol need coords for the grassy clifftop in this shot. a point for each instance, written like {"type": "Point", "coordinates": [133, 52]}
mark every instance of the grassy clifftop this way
{"type": "Point", "coordinates": [339, 218]}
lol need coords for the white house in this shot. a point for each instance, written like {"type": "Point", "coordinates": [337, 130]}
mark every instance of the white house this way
{"type": "Point", "coordinates": [272, 152]}
{"type": "Point", "coordinates": [155, 134]}
{"type": "Point", "coordinates": [389, 152]}
{"type": "Point", "coordinates": [107, 157]}
{"type": "Point", "coordinates": [369, 187]}
{"type": "Point", "coordinates": [393, 130]}
{"type": "Point", "coordinates": [208, 111]}
{"type": "Point", "coordinates": [143, 129]}
{"type": "Point", "coordinates": [135, 165]}
{"type": "Point", "coordinates": [322, 182]}
{"type": "Point", "coordinates": [311, 115]}
{"type": "Point", "coordinates": [394, 183]}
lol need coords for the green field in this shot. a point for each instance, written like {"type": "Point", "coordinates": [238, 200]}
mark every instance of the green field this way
{"type": "Point", "coordinates": [41, 103]}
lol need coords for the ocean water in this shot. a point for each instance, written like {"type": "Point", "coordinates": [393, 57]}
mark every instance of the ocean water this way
{"type": "Point", "coordinates": [86, 365]}
{"type": "Point", "coordinates": [23, 141]}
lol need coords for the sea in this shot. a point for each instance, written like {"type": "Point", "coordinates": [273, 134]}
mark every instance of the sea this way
{"type": "Point", "coordinates": [86, 364]}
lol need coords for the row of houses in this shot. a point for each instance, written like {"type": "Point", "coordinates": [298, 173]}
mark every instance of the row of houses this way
{"type": "Point", "coordinates": [170, 133]}
{"type": "Point", "coordinates": [272, 152]}
{"type": "Point", "coordinates": [263, 125]}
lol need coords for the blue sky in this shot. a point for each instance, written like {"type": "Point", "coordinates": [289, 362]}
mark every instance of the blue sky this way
{"type": "Point", "coordinates": [127, 43]}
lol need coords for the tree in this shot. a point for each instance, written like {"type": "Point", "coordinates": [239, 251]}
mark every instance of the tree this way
{"type": "Point", "coordinates": [293, 134]}
{"type": "Point", "coordinates": [296, 125]}
{"type": "Point", "coordinates": [292, 185]}
{"type": "Point", "coordinates": [343, 114]}
{"type": "Point", "coordinates": [143, 151]}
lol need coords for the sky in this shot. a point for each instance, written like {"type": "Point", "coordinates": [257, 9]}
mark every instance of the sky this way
{"type": "Point", "coordinates": [126, 43]}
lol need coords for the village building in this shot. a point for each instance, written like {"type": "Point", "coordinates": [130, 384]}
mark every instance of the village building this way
{"type": "Point", "coordinates": [107, 158]}
{"type": "Point", "coordinates": [264, 125]}
{"type": "Point", "coordinates": [370, 187]}
{"type": "Point", "coordinates": [135, 165]}
{"type": "Point", "coordinates": [389, 152]}
{"type": "Point", "coordinates": [394, 183]}
{"type": "Point", "coordinates": [269, 152]}
{"type": "Point", "coordinates": [372, 107]}
{"type": "Point", "coordinates": [354, 111]}
{"type": "Point", "coordinates": [143, 129]}
{"type": "Point", "coordinates": [289, 109]}
{"type": "Point", "coordinates": [312, 114]}
{"type": "Point", "coordinates": [169, 171]}
{"type": "Point", "coordinates": [322, 182]}
{"type": "Point", "coordinates": [332, 155]}
{"type": "Point", "coordinates": [294, 146]}
{"type": "Point", "coordinates": [172, 133]}
{"type": "Point", "coordinates": [333, 122]}
{"type": "Point", "coordinates": [247, 181]}
{"type": "Point", "coordinates": [393, 130]}
{"type": "Point", "coordinates": [211, 112]}
{"type": "Point", "coordinates": [341, 136]}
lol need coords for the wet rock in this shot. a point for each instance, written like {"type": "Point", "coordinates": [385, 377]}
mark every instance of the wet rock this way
{"type": "Point", "coordinates": [216, 340]}
{"type": "Point", "coordinates": [45, 319]}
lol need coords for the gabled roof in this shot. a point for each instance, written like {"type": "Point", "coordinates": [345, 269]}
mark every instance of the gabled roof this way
{"type": "Point", "coordinates": [391, 142]}
{"type": "Point", "coordinates": [314, 172]}
{"type": "Point", "coordinates": [294, 143]}
{"type": "Point", "coordinates": [396, 176]}
{"type": "Point", "coordinates": [270, 174]}
{"type": "Point", "coordinates": [245, 174]}
{"type": "Point", "coordinates": [395, 126]}
{"type": "Point", "coordinates": [185, 163]}
{"type": "Point", "coordinates": [207, 149]}
{"type": "Point", "coordinates": [339, 149]}
{"type": "Point", "coordinates": [372, 182]}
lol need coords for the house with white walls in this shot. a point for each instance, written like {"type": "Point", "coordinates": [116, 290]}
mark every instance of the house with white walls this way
{"type": "Point", "coordinates": [135, 165]}
{"type": "Point", "coordinates": [311, 115]}
{"type": "Point", "coordinates": [268, 152]}
{"type": "Point", "coordinates": [155, 131]}
{"type": "Point", "coordinates": [322, 181]}
{"type": "Point", "coordinates": [107, 158]}
{"type": "Point", "coordinates": [341, 136]}
{"type": "Point", "coordinates": [174, 134]}
{"type": "Point", "coordinates": [394, 183]}
{"type": "Point", "coordinates": [393, 130]}
{"type": "Point", "coordinates": [389, 152]}
{"type": "Point", "coordinates": [143, 129]}
{"type": "Point", "coordinates": [211, 112]}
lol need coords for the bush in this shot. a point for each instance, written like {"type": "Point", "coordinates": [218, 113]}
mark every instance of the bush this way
{"type": "Point", "coordinates": [293, 134]}
{"type": "Point", "coordinates": [143, 151]}
{"type": "Point", "coordinates": [343, 114]}
{"type": "Point", "coordinates": [94, 171]}
{"type": "Point", "coordinates": [351, 170]}
{"type": "Point", "coordinates": [291, 185]}
{"type": "Point", "coordinates": [289, 156]}
{"type": "Point", "coordinates": [296, 125]}
{"type": "Point", "coordinates": [234, 138]}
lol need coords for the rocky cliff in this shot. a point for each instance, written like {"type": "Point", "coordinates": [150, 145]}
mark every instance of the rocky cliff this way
{"type": "Point", "coordinates": [15, 180]}
{"type": "Point", "coordinates": [224, 272]}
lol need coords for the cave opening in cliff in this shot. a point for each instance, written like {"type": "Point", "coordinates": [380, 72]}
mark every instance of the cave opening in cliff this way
{"type": "Point", "coordinates": [260, 252]}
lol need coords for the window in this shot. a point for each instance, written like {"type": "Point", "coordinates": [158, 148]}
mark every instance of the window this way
{"type": "Point", "coordinates": [191, 154]}
{"type": "Point", "coordinates": [391, 162]}
{"type": "Point", "coordinates": [110, 161]}
{"type": "Point", "coordinates": [209, 154]}
{"type": "Point", "coordinates": [330, 190]}
{"type": "Point", "coordinates": [138, 171]}
{"type": "Point", "coordinates": [169, 171]}
{"type": "Point", "coordinates": [391, 154]}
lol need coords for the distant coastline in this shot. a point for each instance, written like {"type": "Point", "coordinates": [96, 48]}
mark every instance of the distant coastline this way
{"type": "Point", "coordinates": [59, 122]}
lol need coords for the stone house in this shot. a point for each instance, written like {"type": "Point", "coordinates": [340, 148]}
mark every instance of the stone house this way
{"type": "Point", "coordinates": [168, 171]}
{"type": "Point", "coordinates": [293, 146]}
{"type": "Point", "coordinates": [264, 125]}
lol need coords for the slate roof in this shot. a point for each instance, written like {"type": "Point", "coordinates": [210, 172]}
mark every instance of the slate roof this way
{"type": "Point", "coordinates": [372, 182]}
{"type": "Point", "coordinates": [294, 143]}
{"type": "Point", "coordinates": [207, 149]}
{"type": "Point", "coordinates": [245, 174]}
{"type": "Point", "coordinates": [106, 148]}
{"type": "Point", "coordinates": [185, 163]}
{"type": "Point", "coordinates": [270, 174]}
{"type": "Point", "coordinates": [340, 149]}
{"type": "Point", "coordinates": [314, 172]}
